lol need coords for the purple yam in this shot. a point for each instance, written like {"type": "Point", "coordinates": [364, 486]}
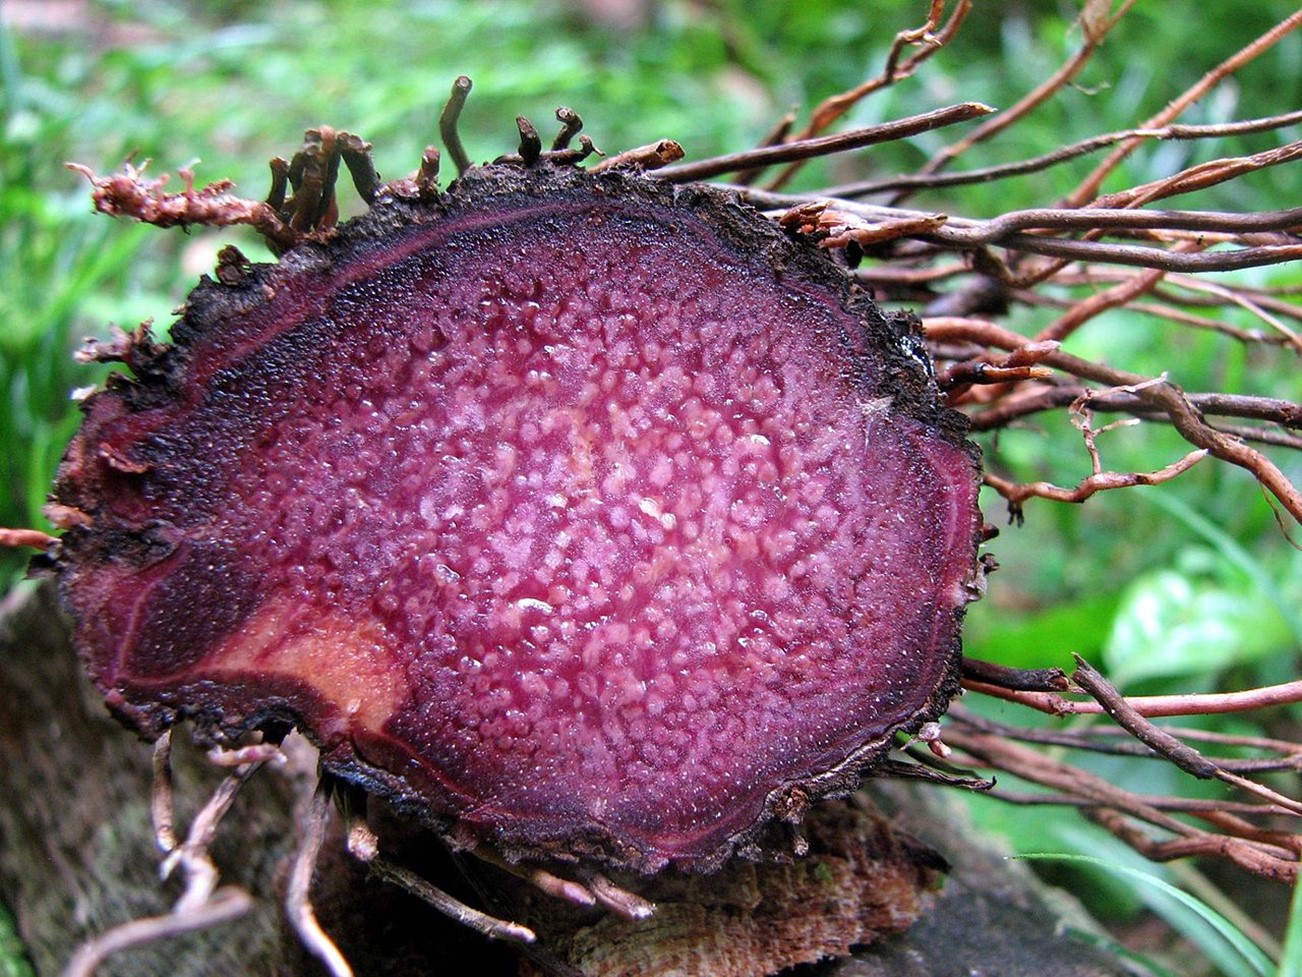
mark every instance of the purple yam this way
{"type": "Point", "coordinates": [578, 515]}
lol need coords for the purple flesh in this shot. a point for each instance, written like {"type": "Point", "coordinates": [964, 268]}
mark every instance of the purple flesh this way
{"type": "Point", "coordinates": [566, 518]}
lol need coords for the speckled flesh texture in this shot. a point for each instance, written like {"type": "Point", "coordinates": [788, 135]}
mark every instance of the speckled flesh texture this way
{"type": "Point", "coordinates": [581, 515]}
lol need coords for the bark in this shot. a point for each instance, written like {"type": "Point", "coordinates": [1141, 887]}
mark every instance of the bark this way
{"type": "Point", "coordinates": [77, 856]}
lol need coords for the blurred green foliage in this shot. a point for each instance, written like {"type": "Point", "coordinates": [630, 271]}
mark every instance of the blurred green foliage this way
{"type": "Point", "coordinates": [1187, 586]}
{"type": "Point", "coordinates": [13, 960]}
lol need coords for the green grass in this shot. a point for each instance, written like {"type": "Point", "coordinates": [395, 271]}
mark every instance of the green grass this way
{"type": "Point", "coordinates": [1221, 940]}
{"type": "Point", "coordinates": [1290, 963]}
{"type": "Point", "coordinates": [234, 83]}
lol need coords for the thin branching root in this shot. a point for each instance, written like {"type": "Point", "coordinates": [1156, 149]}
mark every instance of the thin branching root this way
{"type": "Point", "coordinates": [365, 846]}
{"type": "Point", "coordinates": [29, 538]}
{"type": "Point", "coordinates": [131, 194]}
{"type": "Point", "coordinates": [1247, 833]}
{"type": "Point", "coordinates": [203, 904]}
{"type": "Point", "coordinates": [298, 900]}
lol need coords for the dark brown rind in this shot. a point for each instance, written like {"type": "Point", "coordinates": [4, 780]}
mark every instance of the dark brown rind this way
{"type": "Point", "coordinates": [105, 463]}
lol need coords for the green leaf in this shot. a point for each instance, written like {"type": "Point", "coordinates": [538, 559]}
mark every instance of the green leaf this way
{"type": "Point", "coordinates": [1032, 639]}
{"type": "Point", "coordinates": [1171, 625]}
{"type": "Point", "coordinates": [1234, 554]}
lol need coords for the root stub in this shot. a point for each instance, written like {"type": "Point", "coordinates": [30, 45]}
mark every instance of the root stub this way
{"type": "Point", "coordinates": [585, 516]}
